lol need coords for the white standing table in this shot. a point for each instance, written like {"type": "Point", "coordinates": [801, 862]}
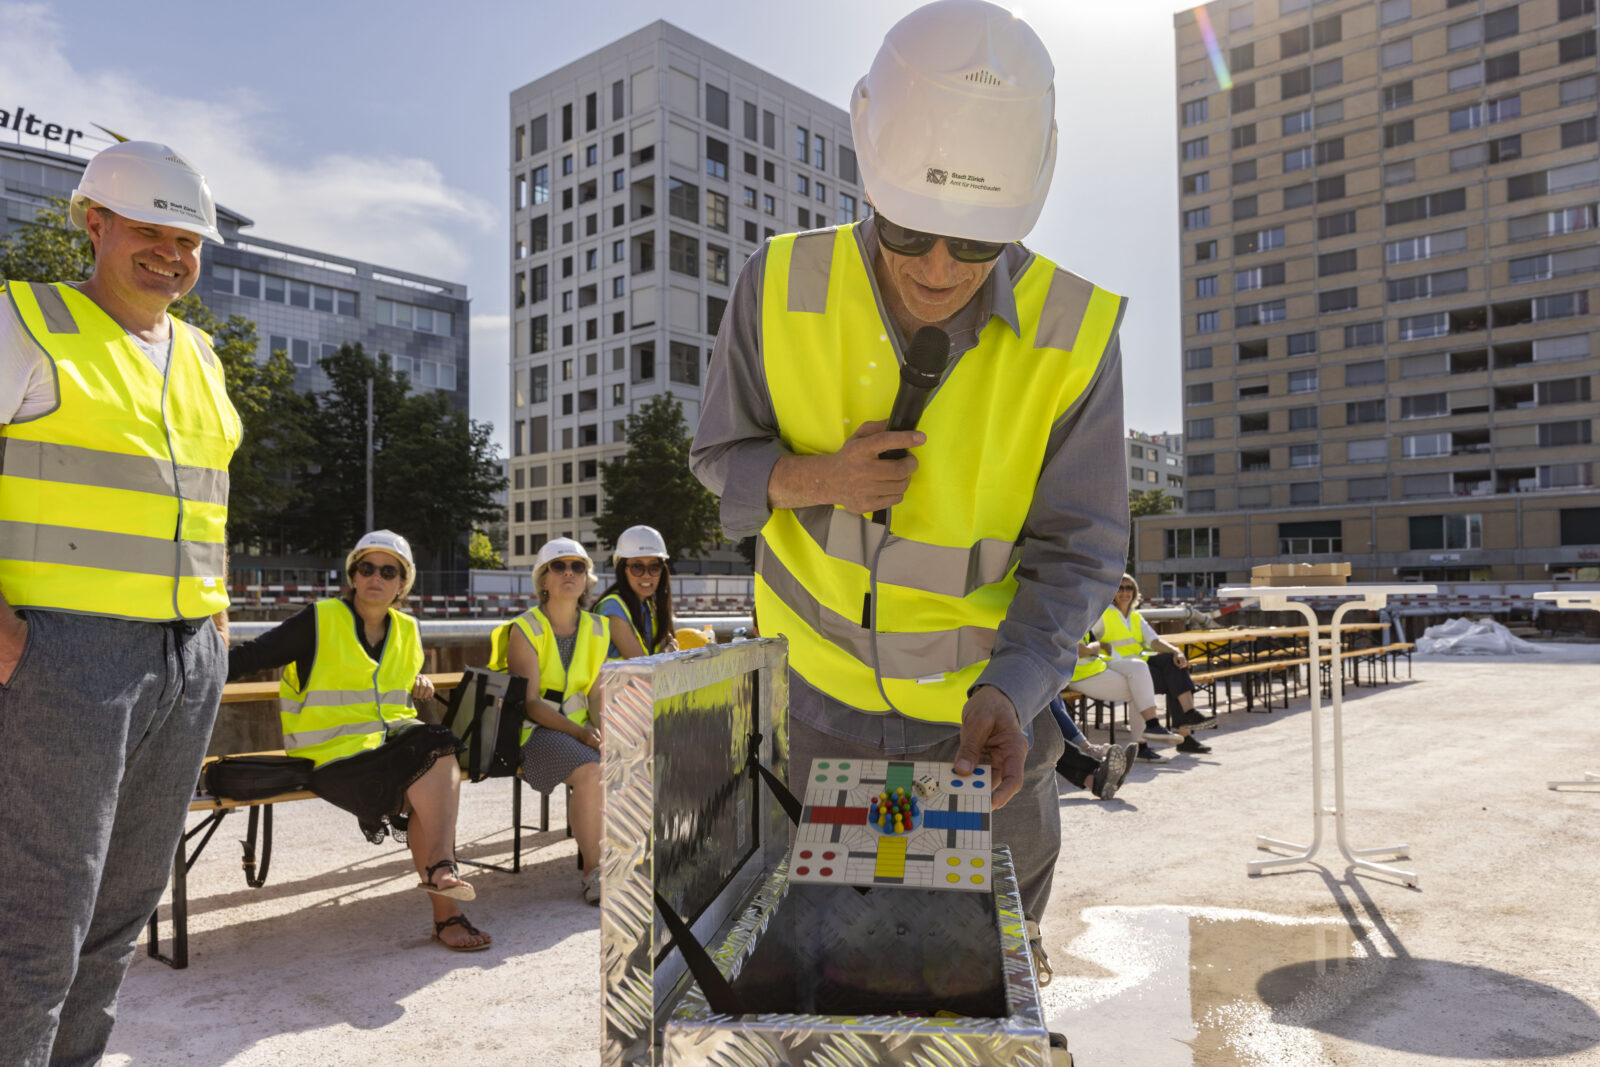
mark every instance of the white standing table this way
{"type": "Point", "coordinates": [1293, 598]}
{"type": "Point", "coordinates": [1573, 600]}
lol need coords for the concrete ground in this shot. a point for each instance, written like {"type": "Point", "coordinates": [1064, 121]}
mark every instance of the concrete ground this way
{"type": "Point", "coordinates": [1165, 952]}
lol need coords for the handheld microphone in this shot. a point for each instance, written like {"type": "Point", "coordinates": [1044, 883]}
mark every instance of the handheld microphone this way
{"type": "Point", "coordinates": [924, 366]}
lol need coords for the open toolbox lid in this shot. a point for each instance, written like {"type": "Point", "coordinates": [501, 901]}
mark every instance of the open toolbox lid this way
{"type": "Point", "coordinates": [685, 816]}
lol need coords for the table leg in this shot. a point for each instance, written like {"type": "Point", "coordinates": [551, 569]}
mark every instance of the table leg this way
{"type": "Point", "coordinates": [1353, 855]}
{"type": "Point", "coordinates": [1589, 778]}
{"type": "Point", "coordinates": [1307, 851]}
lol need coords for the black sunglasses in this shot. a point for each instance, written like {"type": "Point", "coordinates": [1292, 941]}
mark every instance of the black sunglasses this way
{"type": "Point", "coordinates": [561, 566]}
{"type": "Point", "coordinates": [639, 570]}
{"type": "Point", "coordinates": [907, 242]}
{"type": "Point", "coordinates": [1126, 589]}
{"type": "Point", "coordinates": [388, 572]}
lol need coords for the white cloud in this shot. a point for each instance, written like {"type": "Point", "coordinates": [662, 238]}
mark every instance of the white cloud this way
{"type": "Point", "coordinates": [394, 209]}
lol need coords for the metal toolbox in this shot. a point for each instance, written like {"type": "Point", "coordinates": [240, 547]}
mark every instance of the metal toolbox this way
{"type": "Point", "coordinates": [820, 974]}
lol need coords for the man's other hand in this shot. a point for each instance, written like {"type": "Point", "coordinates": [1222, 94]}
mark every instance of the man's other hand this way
{"type": "Point", "coordinates": [991, 733]}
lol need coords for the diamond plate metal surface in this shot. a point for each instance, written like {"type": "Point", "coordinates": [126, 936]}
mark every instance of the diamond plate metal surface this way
{"type": "Point", "coordinates": [824, 968]}
{"type": "Point", "coordinates": [682, 814]}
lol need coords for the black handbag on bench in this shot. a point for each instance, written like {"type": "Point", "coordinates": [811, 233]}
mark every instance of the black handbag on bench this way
{"type": "Point", "coordinates": [256, 777]}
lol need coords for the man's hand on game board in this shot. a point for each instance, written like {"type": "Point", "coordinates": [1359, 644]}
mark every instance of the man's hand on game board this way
{"type": "Point", "coordinates": [991, 733]}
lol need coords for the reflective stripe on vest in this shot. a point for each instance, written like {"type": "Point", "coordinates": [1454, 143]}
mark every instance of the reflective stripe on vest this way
{"type": "Point", "coordinates": [349, 703]}
{"type": "Point", "coordinates": [555, 679]}
{"type": "Point", "coordinates": [945, 568]}
{"type": "Point", "coordinates": [116, 502]}
{"type": "Point", "coordinates": [1124, 636]}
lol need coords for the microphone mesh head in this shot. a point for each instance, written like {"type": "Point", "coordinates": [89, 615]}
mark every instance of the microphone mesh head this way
{"type": "Point", "coordinates": [930, 351]}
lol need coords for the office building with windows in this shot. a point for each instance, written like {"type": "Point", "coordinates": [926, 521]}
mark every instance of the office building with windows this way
{"type": "Point", "coordinates": [1155, 461]}
{"type": "Point", "coordinates": [641, 177]}
{"type": "Point", "coordinates": [1389, 218]}
{"type": "Point", "coordinates": [304, 302]}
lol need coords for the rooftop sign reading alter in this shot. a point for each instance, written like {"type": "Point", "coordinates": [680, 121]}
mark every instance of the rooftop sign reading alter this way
{"type": "Point", "coordinates": [21, 120]}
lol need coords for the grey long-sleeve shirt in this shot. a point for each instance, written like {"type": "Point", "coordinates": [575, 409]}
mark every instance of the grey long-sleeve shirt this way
{"type": "Point", "coordinates": [1074, 540]}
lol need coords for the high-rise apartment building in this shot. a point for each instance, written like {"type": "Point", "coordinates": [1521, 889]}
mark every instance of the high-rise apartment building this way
{"type": "Point", "coordinates": [642, 176]}
{"type": "Point", "coordinates": [1155, 461]}
{"type": "Point", "coordinates": [1389, 221]}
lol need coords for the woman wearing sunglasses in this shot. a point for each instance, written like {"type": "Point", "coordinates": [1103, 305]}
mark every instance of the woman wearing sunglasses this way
{"type": "Point", "coordinates": [641, 593]}
{"type": "Point", "coordinates": [352, 670]}
{"type": "Point", "coordinates": [559, 648]}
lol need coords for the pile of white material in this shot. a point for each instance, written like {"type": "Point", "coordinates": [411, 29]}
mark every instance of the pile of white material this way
{"type": "Point", "coordinates": [1462, 637]}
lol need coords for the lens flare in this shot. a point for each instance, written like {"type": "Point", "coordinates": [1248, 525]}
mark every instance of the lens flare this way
{"type": "Point", "coordinates": [1220, 65]}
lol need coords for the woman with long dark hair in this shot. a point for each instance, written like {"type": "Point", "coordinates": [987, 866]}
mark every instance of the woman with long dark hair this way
{"type": "Point", "coordinates": [641, 592]}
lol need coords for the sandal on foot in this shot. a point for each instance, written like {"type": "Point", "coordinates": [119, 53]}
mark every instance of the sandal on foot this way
{"type": "Point", "coordinates": [461, 921]}
{"type": "Point", "coordinates": [455, 892]}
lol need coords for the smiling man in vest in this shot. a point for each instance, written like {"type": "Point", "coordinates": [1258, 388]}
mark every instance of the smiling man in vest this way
{"type": "Point", "coordinates": [117, 432]}
{"type": "Point", "coordinates": [941, 633]}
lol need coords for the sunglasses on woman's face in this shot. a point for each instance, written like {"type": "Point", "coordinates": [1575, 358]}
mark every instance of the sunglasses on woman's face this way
{"type": "Point", "coordinates": [639, 569]}
{"type": "Point", "coordinates": [1125, 589]}
{"type": "Point", "coordinates": [388, 572]}
{"type": "Point", "coordinates": [903, 241]}
{"type": "Point", "coordinates": [562, 566]}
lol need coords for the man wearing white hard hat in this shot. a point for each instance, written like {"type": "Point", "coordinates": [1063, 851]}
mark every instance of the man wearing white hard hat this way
{"type": "Point", "coordinates": [931, 602]}
{"type": "Point", "coordinates": [117, 433]}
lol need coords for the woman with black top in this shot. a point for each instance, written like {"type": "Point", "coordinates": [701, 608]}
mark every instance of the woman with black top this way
{"type": "Point", "coordinates": [352, 670]}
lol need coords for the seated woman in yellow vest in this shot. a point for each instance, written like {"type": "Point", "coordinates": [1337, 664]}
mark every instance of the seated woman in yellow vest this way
{"type": "Point", "coordinates": [641, 594]}
{"type": "Point", "coordinates": [1093, 678]}
{"type": "Point", "coordinates": [1131, 640]}
{"type": "Point", "coordinates": [352, 668]}
{"type": "Point", "coordinates": [559, 648]}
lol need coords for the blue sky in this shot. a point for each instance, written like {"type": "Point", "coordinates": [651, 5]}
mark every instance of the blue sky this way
{"type": "Point", "coordinates": [379, 130]}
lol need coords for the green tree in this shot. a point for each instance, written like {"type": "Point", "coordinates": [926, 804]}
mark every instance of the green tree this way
{"type": "Point", "coordinates": [48, 249]}
{"type": "Point", "coordinates": [650, 484]}
{"type": "Point", "coordinates": [481, 554]}
{"type": "Point", "coordinates": [1152, 502]}
{"type": "Point", "coordinates": [434, 470]}
{"type": "Point", "coordinates": [265, 476]}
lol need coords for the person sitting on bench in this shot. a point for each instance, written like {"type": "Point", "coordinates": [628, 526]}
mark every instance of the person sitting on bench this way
{"type": "Point", "coordinates": [559, 648]}
{"type": "Point", "coordinates": [1128, 681]}
{"type": "Point", "coordinates": [352, 670]}
{"type": "Point", "coordinates": [1130, 638]}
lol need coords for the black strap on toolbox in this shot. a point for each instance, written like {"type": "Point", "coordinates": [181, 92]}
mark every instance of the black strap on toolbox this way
{"type": "Point", "coordinates": [720, 996]}
{"type": "Point", "coordinates": [788, 801]}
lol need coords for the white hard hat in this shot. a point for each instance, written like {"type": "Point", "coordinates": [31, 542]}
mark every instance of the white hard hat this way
{"type": "Point", "coordinates": [640, 541]}
{"type": "Point", "coordinates": [147, 182]}
{"type": "Point", "coordinates": [954, 124]}
{"type": "Point", "coordinates": [392, 543]}
{"type": "Point", "coordinates": [560, 548]}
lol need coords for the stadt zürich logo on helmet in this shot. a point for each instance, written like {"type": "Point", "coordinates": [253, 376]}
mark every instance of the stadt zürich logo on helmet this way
{"type": "Point", "coordinates": [937, 176]}
{"type": "Point", "coordinates": [160, 204]}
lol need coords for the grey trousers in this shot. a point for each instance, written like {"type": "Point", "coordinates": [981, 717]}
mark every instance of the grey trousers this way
{"type": "Point", "coordinates": [1030, 825]}
{"type": "Point", "coordinates": [103, 727]}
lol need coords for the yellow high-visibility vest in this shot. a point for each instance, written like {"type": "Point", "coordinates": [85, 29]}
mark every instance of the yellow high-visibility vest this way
{"type": "Point", "coordinates": [115, 503]}
{"type": "Point", "coordinates": [349, 704]}
{"type": "Point", "coordinates": [1087, 667]}
{"type": "Point", "coordinates": [566, 688]}
{"type": "Point", "coordinates": [627, 617]}
{"type": "Point", "coordinates": [943, 579]}
{"type": "Point", "coordinates": [1125, 637]}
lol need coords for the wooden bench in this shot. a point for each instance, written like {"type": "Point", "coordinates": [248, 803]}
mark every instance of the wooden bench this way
{"type": "Point", "coordinates": [259, 828]}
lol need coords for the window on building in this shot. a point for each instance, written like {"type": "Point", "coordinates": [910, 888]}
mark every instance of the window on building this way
{"type": "Point", "coordinates": [1445, 532]}
{"type": "Point", "coordinates": [684, 363]}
